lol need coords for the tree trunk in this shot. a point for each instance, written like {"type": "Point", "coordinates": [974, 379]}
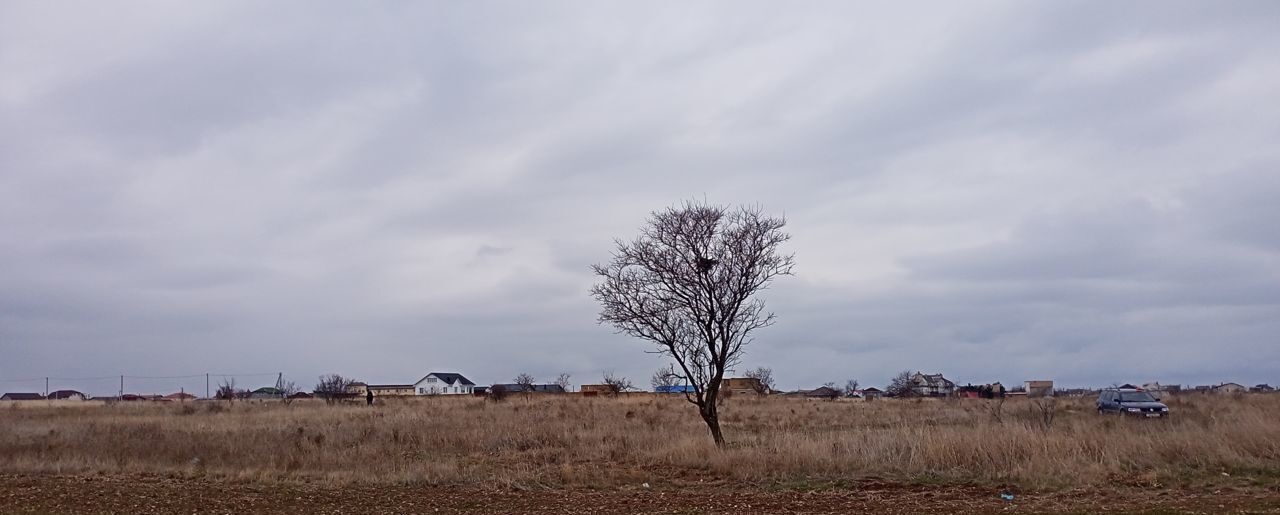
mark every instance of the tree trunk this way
{"type": "Point", "coordinates": [712, 419]}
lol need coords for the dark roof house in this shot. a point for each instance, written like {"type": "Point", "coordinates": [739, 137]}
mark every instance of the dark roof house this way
{"type": "Point", "coordinates": [21, 396]}
{"type": "Point", "coordinates": [67, 395]}
{"type": "Point", "coordinates": [533, 388]}
{"type": "Point", "coordinates": [449, 378]}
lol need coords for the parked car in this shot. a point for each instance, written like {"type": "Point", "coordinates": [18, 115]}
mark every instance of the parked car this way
{"type": "Point", "coordinates": [1135, 402]}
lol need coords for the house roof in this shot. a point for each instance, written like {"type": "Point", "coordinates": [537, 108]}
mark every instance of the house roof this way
{"type": "Point", "coordinates": [180, 395]}
{"type": "Point", "coordinates": [390, 387]}
{"type": "Point", "coordinates": [267, 390]}
{"type": "Point", "coordinates": [871, 390]}
{"type": "Point", "coordinates": [65, 394]}
{"type": "Point", "coordinates": [22, 396]}
{"type": "Point", "coordinates": [935, 379]}
{"type": "Point", "coordinates": [822, 391]}
{"type": "Point", "coordinates": [536, 388]}
{"type": "Point", "coordinates": [449, 378]}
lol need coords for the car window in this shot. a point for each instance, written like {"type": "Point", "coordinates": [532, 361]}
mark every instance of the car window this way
{"type": "Point", "coordinates": [1136, 397]}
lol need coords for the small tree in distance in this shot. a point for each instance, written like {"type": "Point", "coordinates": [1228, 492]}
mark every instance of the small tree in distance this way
{"type": "Point", "coordinates": [851, 388]}
{"type": "Point", "coordinates": [900, 385]}
{"type": "Point", "coordinates": [332, 387]}
{"type": "Point", "coordinates": [830, 390]}
{"type": "Point", "coordinates": [227, 390]}
{"type": "Point", "coordinates": [287, 391]}
{"type": "Point", "coordinates": [617, 384]}
{"type": "Point", "coordinates": [563, 382]}
{"type": "Point", "coordinates": [525, 380]}
{"type": "Point", "coordinates": [764, 379]}
{"type": "Point", "coordinates": [664, 377]}
{"type": "Point", "coordinates": [497, 393]}
{"type": "Point", "coordinates": [688, 284]}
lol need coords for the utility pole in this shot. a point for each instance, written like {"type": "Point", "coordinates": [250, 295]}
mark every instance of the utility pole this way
{"type": "Point", "coordinates": [121, 386]}
{"type": "Point", "coordinates": [206, 385]}
{"type": "Point", "coordinates": [46, 387]}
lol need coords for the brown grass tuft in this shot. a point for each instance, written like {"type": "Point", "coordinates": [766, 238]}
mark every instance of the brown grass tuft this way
{"type": "Point", "coordinates": [556, 441]}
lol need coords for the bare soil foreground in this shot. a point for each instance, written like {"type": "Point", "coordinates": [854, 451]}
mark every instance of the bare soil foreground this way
{"type": "Point", "coordinates": [569, 454]}
{"type": "Point", "coordinates": [152, 495]}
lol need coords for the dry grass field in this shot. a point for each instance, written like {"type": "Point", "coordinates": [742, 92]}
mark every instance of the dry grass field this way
{"type": "Point", "coordinates": [570, 441]}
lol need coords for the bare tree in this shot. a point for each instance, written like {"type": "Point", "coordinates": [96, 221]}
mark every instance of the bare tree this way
{"type": "Point", "coordinates": [562, 381]}
{"type": "Point", "coordinates": [688, 284]}
{"type": "Point", "coordinates": [831, 392]}
{"type": "Point", "coordinates": [664, 377]}
{"type": "Point", "coordinates": [227, 390]}
{"type": "Point", "coordinates": [287, 391]}
{"type": "Point", "coordinates": [901, 385]}
{"type": "Point", "coordinates": [851, 388]}
{"type": "Point", "coordinates": [764, 379]}
{"type": "Point", "coordinates": [1043, 410]}
{"type": "Point", "coordinates": [617, 384]}
{"type": "Point", "coordinates": [332, 387]}
{"type": "Point", "coordinates": [525, 380]}
{"type": "Point", "coordinates": [995, 408]}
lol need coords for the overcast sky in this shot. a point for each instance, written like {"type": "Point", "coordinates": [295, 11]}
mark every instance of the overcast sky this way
{"type": "Point", "coordinates": [1079, 191]}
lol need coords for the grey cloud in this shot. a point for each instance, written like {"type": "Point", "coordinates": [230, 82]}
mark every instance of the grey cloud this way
{"type": "Point", "coordinates": [993, 190]}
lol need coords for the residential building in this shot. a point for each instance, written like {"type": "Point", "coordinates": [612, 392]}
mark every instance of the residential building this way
{"type": "Point", "coordinates": [533, 388]}
{"type": "Point", "coordinates": [595, 389]}
{"type": "Point", "coordinates": [1229, 388]}
{"type": "Point", "coordinates": [357, 388]}
{"type": "Point", "coordinates": [742, 386]}
{"type": "Point", "coordinates": [266, 392]}
{"type": "Point", "coordinates": [392, 390]}
{"type": "Point", "coordinates": [21, 396]}
{"type": "Point", "coordinates": [871, 393]}
{"type": "Point", "coordinates": [444, 383]}
{"type": "Point", "coordinates": [68, 395]}
{"type": "Point", "coordinates": [1039, 388]}
{"type": "Point", "coordinates": [824, 392]}
{"type": "Point", "coordinates": [675, 388]}
{"type": "Point", "coordinates": [821, 392]}
{"type": "Point", "coordinates": [1262, 388]}
{"type": "Point", "coordinates": [180, 396]}
{"type": "Point", "coordinates": [931, 385]}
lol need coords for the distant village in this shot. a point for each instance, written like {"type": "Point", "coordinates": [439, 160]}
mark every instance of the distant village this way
{"type": "Point", "coordinates": [915, 384]}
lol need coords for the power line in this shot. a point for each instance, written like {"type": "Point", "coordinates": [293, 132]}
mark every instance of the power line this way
{"type": "Point", "coordinates": [104, 378]}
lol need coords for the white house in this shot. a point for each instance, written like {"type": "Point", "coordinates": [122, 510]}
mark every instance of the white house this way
{"type": "Point", "coordinates": [931, 385]}
{"type": "Point", "coordinates": [443, 383]}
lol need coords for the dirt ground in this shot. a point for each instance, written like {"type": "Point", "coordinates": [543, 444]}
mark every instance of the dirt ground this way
{"type": "Point", "coordinates": [154, 495]}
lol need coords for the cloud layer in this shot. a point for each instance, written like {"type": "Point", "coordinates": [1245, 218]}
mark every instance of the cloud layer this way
{"type": "Point", "coordinates": [992, 190]}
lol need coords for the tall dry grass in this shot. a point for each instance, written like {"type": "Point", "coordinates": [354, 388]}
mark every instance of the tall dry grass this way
{"type": "Point", "coordinates": [557, 441]}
